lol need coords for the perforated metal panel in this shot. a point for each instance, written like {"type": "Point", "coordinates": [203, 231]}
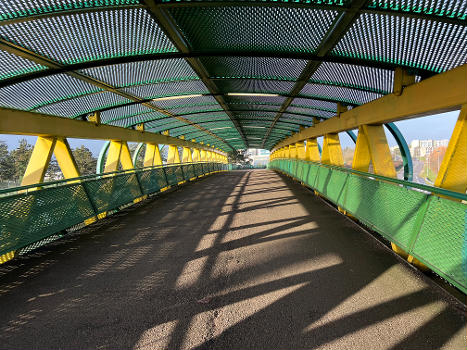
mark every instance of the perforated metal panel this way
{"type": "Point", "coordinates": [254, 67]}
{"type": "Point", "coordinates": [439, 8]}
{"type": "Point", "coordinates": [310, 111]}
{"type": "Point", "coordinates": [424, 44]}
{"type": "Point", "coordinates": [118, 113]}
{"type": "Point", "coordinates": [89, 36]}
{"type": "Point", "coordinates": [255, 85]}
{"type": "Point", "coordinates": [12, 65]}
{"type": "Point", "coordinates": [82, 105]}
{"type": "Point", "coordinates": [20, 8]}
{"type": "Point", "coordinates": [263, 28]}
{"type": "Point", "coordinates": [138, 73]}
{"type": "Point", "coordinates": [148, 91]}
{"type": "Point", "coordinates": [371, 79]}
{"type": "Point", "coordinates": [341, 94]}
{"type": "Point", "coordinates": [35, 93]}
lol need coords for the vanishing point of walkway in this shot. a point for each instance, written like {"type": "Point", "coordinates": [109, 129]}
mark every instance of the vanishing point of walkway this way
{"type": "Point", "coordinates": [239, 260]}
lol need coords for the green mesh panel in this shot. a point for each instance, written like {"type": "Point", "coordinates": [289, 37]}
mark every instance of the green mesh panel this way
{"type": "Point", "coordinates": [111, 192]}
{"type": "Point", "coordinates": [389, 209]}
{"type": "Point", "coordinates": [152, 180]}
{"type": "Point", "coordinates": [174, 174]}
{"type": "Point", "coordinates": [198, 169]}
{"type": "Point", "coordinates": [434, 231]}
{"type": "Point", "coordinates": [29, 217]}
{"type": "Point", "coordinates": [442, 241]}
{"type": "Point", "coordinates": [331, 183]}
{"type": "Point", "coordinates": [30, 220]}
{"type": "Point", "coordinates": [188, 171]}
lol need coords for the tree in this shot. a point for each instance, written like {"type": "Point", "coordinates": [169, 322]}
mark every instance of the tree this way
{"type": "Point", "coordinates": [85, 161]}
{"type": "Point", "coordinates": [239, 157]}
{"type": "Point", "coordinates": [7, 163]}
{"type": "Point", "coordinates": [21, 157]}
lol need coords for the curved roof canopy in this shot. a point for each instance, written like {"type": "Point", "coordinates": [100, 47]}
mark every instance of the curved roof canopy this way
{"type": "Point", "coordinates": [233, 74]}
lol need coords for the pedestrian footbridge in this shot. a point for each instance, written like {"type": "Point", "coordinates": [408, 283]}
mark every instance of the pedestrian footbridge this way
{"type": "Point", "coordinates": [169, 250]}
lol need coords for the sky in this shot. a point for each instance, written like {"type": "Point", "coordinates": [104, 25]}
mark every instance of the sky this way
{"type": "Point", "coordinates": [437, 127]}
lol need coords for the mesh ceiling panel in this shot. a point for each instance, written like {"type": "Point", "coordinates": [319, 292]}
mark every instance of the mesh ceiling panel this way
{"type": "Point", "coordinates": [440, 8]}
{"type": "Point", "coordinates": [337, 93]}
{"type": "Point", "coordinates": [262, 28]}
{"type": "Point", "coordinates": [206, 58]}
{"type": "Point", "coordinates": [12, 65]}
{"type": "Point", "coordinates": [254, 67]}
{"type": "Point", "coordinates": [82, 105]}
{"type": "Point", "coordinates": [138, 73]}
{"type": "Point", "coordinates": [35, 93]}
{"type": "Point", "coordinates": [255, 86]}
{"type": "Point", "coordinates": [149, 91]}
{"type": "Point", "coordinates": [371, 79]}
{"type": "Point", "coordinates": [310, 111]}
{"type": "Point", "coordinates": [89, 36]}
{"type": "Point", "coordinates": [426, 44]}
{"type": "Point", "coordinates": [20, 8]}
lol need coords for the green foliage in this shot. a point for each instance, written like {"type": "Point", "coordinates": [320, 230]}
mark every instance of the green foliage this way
{"type": "Point", "coordinates": [21, 157]}
{"type": "Point", "coordinates": [7, 164]}
{"type": "Point", "coordinates": [85, 161]}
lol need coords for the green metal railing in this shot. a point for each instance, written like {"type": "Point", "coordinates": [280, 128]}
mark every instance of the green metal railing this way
{"type": "Point", "coordinates": [31, 216]}
{"type": "Point", "coordinates": [429, 223]}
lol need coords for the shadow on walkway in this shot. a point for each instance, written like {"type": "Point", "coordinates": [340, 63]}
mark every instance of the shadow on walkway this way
{"type": "Point", "coordinates": [241, 260]}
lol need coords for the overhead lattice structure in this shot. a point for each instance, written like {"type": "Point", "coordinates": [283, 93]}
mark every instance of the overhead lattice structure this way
{"type": "Point", "coordinates": [233, 74]}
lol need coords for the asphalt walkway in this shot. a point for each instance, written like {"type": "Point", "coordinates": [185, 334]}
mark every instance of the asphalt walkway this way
{"type": "Point", "coordinates": [240, 260]}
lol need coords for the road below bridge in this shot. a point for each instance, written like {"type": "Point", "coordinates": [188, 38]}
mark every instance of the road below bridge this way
{"type": "Point", "coordinates": [239, 260]}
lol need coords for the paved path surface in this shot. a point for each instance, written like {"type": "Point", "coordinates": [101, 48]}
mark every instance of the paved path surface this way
{"type": "Point", "coordinates": [242, 260]}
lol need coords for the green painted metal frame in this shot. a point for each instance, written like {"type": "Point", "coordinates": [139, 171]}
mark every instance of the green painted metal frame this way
{"type": "Point", "coordinates": [31, 216]}
{"type": "Point", "coordinates": [431, 225]}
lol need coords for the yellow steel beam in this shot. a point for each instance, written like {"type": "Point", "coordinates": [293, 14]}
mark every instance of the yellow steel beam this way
{"type": "Point", "coordinates": [441, 93]}
{"type": "Point", "coordinates": [453, 171]}
{"type": "Point", "coordinates": [28, 123]}
{"type": "Point", "coordinates": [39, 161]}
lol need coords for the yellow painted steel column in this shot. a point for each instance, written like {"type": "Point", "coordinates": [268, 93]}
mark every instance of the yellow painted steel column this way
{"type": "Point", "coordinates": [312, 150]}
{"type": "Point", "coordinates": [118, 153]}
{"type": "Point", "coordinates": [39, 161]}
{"type": "Point", "coordinates": [153, 155]}
{"type": "Point", "coordinates": [453, 171]}
{"type": "Point", "coordinates": [292, 151]}
{"type": "Point", "coordinates": [332, 151]}
{"type": "Point", "coordinates": [300, 150]}
{"type": "Point", "coordinates": [196, 155]}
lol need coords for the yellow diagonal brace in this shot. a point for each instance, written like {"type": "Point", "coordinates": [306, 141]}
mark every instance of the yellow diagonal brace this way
{"type": "Point", "coordinates": [149, 154]}
{"type": "Point", "coordinates": [125, 157]}
{"type": "Point", "coordinates": [65, 159]}
{"type": "Point", "coordinates": [39, 161]}
{"type": "Point", "coordinates": [118, 154]}
{"type": "Point", "coordinates": [332, 151]}
{"type": "Point", "coordinates": [173, 157]}
{"type": "Point", "coordinates": [361, 158]}
{"type": "Point", "coordinates": [312, 150]}
{"type": "Point", "coordinates": [453, 171]}
{"type": "Point", "coordinates": [372, 145]}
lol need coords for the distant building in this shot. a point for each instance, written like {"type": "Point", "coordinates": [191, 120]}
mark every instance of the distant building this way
{"type": "Point", "coordinates": [422, 148]}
